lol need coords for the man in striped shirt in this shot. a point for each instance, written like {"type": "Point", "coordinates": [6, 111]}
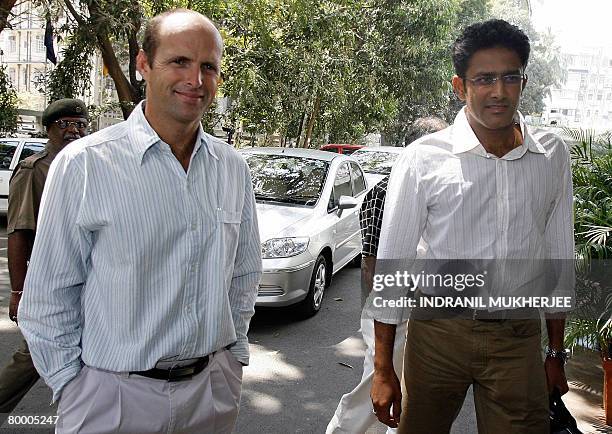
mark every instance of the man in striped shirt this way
{"type": "Point", "coordinates": [354, 412]}
{"type": "Point", "coordinates": [487, 189]}
{"type": "Point", "coordinates": [145, 268]}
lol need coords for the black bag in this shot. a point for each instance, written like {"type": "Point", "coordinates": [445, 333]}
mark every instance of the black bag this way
{"type": "Point", "coordinates": [561, 421]}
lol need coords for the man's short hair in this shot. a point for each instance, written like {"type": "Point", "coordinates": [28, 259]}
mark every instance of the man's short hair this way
{"type": "Point", "coordinates": [150, 40]}
{"type": "Point", "coordinates": [423, 126]}
{"type": "Point", "coordinates": [488, 34]}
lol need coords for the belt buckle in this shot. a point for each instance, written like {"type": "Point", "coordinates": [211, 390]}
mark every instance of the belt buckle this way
{"type": "Point", "coordinates": [175, 374]}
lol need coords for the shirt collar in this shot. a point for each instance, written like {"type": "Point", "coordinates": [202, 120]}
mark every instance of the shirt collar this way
{"type": "Point", "coordinates": [464, 139]}
{"type": "Point", "coordinates": [144, 137]}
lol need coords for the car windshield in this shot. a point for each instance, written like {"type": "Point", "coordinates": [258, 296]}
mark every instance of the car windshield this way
{"type": "Point", "coordinates": [281, 178]}
{"type": "Point", "coordinates": [378, 162]}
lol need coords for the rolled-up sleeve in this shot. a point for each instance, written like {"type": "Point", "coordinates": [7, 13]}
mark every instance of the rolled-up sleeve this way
{"type": "Point", "coordinates": [247, 273]}
{"type": "Point", "coordinates": [50, 310]}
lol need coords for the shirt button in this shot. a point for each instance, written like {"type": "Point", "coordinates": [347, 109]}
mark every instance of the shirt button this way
{"type": "Point", "coordinates": [188, 309]}
{"type": "Point", "coordinates": [194, 226]}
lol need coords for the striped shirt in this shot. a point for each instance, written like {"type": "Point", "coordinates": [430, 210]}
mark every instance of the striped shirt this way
{"type": "Point", "coordinates": [447, 193]}
{"type": "Point", "coordinates": [370, 217]}
{"type": "Point", "coordinates": [136, 260]}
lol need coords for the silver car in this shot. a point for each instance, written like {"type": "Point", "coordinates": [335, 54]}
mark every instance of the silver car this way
{"type": "Point", "coordinates": [307, 206]}
{"type": "Point", "coordinates": [377, 161]}
{"type": "Point", "coordinates": [12, 151]}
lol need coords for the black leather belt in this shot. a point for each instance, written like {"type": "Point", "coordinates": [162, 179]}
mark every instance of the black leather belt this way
{"type": "Point", "coordinates": [176, 374]}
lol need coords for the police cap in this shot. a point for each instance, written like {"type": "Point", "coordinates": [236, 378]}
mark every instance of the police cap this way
{"type": "Point", "coordinates": [64, 107]}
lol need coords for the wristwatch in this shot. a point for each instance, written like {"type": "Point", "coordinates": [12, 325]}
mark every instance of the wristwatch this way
{"type": "Point", "coordinates": [557, 354]}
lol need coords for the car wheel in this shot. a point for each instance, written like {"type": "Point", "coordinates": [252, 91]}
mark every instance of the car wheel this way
{"type": "Point", "coordinates": [318, 282]}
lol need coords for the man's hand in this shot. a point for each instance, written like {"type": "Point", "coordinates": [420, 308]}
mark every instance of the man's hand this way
{"type": "Point", "coordinates": [555, 375]}
{"type": "Point", "coordinates": [386, 395]}
{"type": "Point", "coordinates": [14, 305]}
{"type": "Point", "coordinates": [555, 372]}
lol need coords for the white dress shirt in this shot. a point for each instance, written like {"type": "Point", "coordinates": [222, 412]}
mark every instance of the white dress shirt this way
{"type": "Point", "coordinates": [447, 193]}
{"type": "Point", "coordinates": [136, 260]}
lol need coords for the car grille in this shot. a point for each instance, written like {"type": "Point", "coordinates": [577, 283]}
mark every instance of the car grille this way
{"type": "Point", "coordinates": [270, 290]}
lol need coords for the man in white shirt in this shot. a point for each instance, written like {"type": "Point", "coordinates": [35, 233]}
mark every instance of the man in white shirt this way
{"type": "Point", "coordinates": [145, 267]}
{"type": "Point", "coordinates": [486, 188]}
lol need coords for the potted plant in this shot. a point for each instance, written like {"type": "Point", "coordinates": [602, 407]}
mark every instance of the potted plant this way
{"type": "Point", "coordinates": [591, 325]}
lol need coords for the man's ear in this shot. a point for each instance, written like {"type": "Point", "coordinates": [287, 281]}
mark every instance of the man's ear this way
{"type": "Point", "coordinates": [524, 85]}
{"type": "Point", "coordinates": [142, 64]}
{"type": "Point", "coordinates": [459, 87]}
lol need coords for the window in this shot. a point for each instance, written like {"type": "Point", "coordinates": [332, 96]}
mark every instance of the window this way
{"type": "Point", "coordinates": [31, 149]}
{"type": "Point", "coordinates": [342, 184]}
{"type": "Point", "coordinates": [12, 44]}
{"type": "Point", "coordinates": [359, 184]}
{"type": "Point", "coordinates": [7, 150]}
{"type": "Point", "coordinates": [12, 75]}
{"type": "Point", "coordinates": [40, 44]}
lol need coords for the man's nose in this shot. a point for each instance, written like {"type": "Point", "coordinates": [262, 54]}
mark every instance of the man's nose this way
{"type": "Point", "coordinates": [72, 127]}
{"type": "Point", "coordinates": [195, 77]}
{"type": "Point", "coordinates": [499, 88]}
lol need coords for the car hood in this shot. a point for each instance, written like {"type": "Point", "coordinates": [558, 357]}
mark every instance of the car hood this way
{"type": "Point", "coordinates": [274, 219]}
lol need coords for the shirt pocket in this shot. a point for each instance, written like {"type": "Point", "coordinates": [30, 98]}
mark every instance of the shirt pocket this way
{"type": "Point", "coordinates": [228, 223]}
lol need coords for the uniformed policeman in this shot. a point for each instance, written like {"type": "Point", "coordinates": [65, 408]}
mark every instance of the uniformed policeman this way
{"type": "Point", "coordinates": [66, 120]}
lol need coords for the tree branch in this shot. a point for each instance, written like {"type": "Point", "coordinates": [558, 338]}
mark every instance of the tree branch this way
{"type": "Point", "coordinates": [78, 17]}
{"type": "Point", "coordinates": [5, 10]}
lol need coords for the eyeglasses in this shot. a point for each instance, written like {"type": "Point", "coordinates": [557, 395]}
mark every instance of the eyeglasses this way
{"type": "Point", "coordinates": [490, 80]}
{"type": "Point", "coordinates": [63, 124]}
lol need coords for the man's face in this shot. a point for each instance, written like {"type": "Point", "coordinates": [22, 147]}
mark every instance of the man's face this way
{"type": "Point", "coordinates": [491, 107]}
{"type": "Point", "coordinates": [60, 137]}
{"type": "Point", "coordinates": [183, 78]}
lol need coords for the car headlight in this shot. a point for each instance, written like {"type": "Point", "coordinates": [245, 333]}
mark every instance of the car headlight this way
{"type": "Point", "coordinates": [283, 247]}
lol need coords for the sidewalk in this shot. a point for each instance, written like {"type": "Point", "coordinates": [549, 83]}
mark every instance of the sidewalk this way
{"type": "Point", "coordinates": [585, 398]}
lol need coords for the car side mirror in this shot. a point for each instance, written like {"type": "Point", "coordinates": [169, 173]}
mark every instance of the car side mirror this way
{"type": "Point", "coordinates": [347, 202]}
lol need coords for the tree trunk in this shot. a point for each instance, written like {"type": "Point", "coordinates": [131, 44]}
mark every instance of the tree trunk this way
{"type": "Point", "coordinates": [5, 10]}
{"type": "Point", "coordinates": [311, 121]}
{"type": "Point", "coordinates": [298, 142]}
{"type": "Point", "coordinates": [128, 95]}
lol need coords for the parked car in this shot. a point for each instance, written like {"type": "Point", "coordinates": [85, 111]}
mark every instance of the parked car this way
{"type": "Point", "coordinates": [12, 151]}
{"type": "Point", "coordinates": [345, 149]}
{"type": "Point", "coordinates": [377, 161]}
{"type": "Point", "coordinates": [307, 208]}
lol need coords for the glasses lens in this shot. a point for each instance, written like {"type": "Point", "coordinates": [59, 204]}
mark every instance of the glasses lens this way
{"type": "Point", "coordinates": [484, 81]}
{"type": "Point", "coordinates": [63, 124]}
{"type": "Point", "coordinates": [512, 79]}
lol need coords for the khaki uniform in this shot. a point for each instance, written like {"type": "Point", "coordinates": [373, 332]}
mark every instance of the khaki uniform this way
{"type": "Point", "coordinates": [25, 192]}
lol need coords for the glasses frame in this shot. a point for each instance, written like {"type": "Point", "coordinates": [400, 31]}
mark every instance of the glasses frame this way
{"type": "Point", "coordinates": [71, 123]}
{"type": "Point", "coordinates": [490, 80]}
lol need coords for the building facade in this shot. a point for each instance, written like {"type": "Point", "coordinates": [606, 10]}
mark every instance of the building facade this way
{"type": "Point", "coordinates": [585, 99]}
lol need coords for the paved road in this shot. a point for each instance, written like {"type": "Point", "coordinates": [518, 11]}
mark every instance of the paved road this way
{"type": "Point", "coordinates": [295, 378]}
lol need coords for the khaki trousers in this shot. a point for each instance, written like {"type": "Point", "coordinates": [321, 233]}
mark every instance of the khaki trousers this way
{"type": "Point", "coordinates": [503, 362]}
{"type": "Point", "coordinates": [16, 379]}
{"type": "Point", "coordinates": [99, 402]}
